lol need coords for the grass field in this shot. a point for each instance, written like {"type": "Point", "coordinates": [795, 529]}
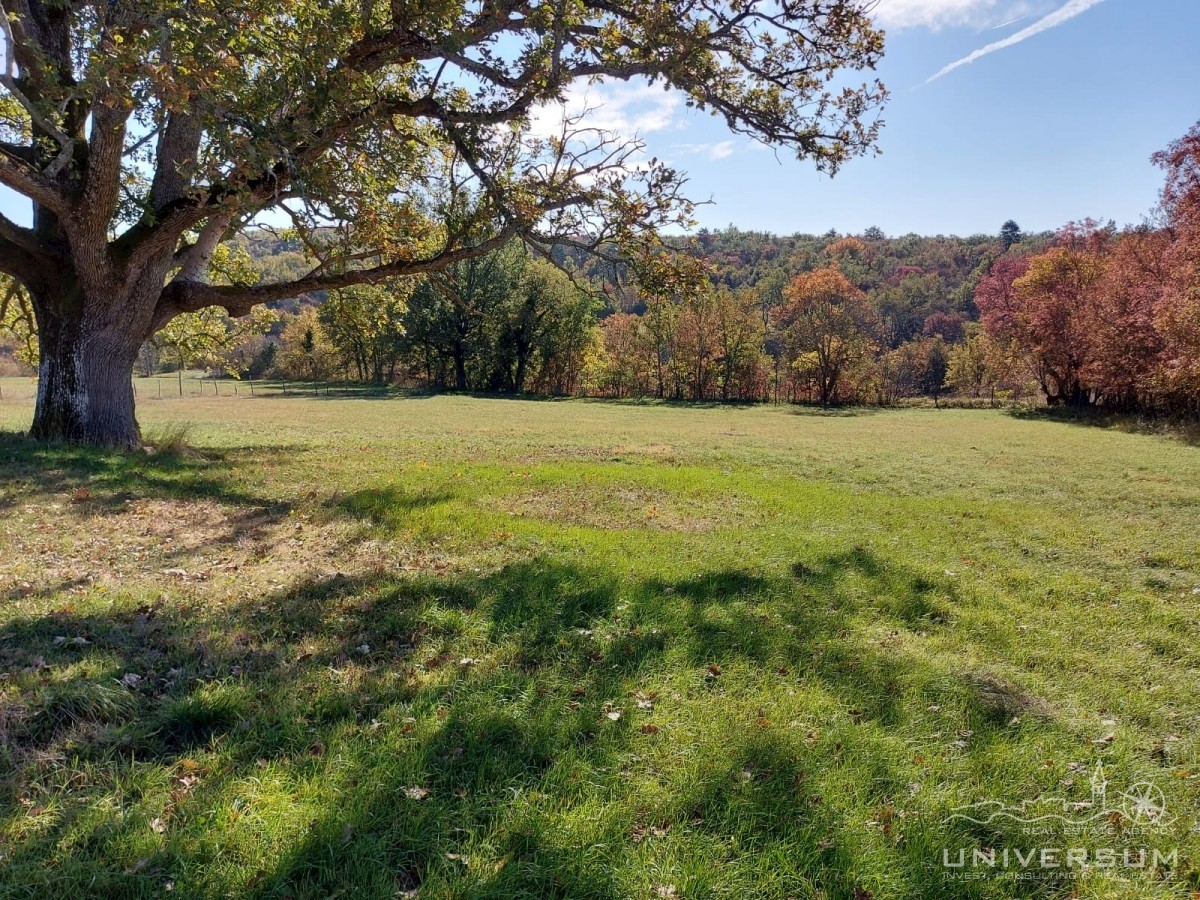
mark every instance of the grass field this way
{"type": "Point", "coordinates": [454, 647]}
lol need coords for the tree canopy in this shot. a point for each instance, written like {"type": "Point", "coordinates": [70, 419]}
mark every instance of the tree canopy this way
{"type": "Point", "coordinates": [393, 136]}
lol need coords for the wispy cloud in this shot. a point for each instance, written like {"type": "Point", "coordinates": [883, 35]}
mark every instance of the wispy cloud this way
{"type": "Point", "coordinates": [711, 152]}
{"type": "Point", "coordinates": [1064, 13]}
{"type": "Point", "coordinates": [621, 108]}
{"type": "Point", "coordinates": [938, 14]}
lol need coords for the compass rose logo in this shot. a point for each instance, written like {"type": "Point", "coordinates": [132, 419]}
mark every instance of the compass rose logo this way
{"type": "Point", "coordinates": [1145, 803]}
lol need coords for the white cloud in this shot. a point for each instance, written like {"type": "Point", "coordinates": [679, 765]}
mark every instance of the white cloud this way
{"type": "Point", "coordinates": [1064, 13]}
{"type": "Point", "coordinates": [937, 14]}
{"type": "Point", "coordinates": [624, 109]}
{"type": "Point", "coordinates": [721, 150]}
{"type": "Point", "coordinates": [711, 152]}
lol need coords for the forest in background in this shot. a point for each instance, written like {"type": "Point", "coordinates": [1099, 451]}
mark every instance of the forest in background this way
{"type": "Point", "coordinates": [1090, 315]}
{"type": "Point", "coordinates": [512, 322]}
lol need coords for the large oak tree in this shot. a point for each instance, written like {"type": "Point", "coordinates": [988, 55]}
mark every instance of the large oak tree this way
{"type": "Point", "coordinates": [395, 136]}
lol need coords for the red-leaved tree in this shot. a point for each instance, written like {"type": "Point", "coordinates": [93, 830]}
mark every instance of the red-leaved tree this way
{"type": "Point", "coordinates": [1046, 311]}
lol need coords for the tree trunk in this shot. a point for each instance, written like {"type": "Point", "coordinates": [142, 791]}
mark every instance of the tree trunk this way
{"type": "Point", "coordinates": [85, 385]}
{"type": "Point", "coordinates": [522, 368]}
{"type": "Point", "coordinates": [460, 368]}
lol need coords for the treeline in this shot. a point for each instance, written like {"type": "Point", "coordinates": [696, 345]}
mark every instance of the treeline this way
{"type": "Point", "coordinates": [717, 318]}
{"type": "Point", "coordinates": [726, 315]}
{"type": "Point", "coordinates": [1091, 315]}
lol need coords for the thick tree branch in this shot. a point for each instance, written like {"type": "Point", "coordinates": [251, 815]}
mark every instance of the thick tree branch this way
{"type": "Point", "coordinates": [195, 260]}
{"type": "Point", "coordinates": [184, 296]}
{"type": "Point", "coordinates": [24, 239]}
{"type": "Point", "coordinates": [16, 261]}
{"type": "Point", "coordinates": [23, 178]}
{"type": "Point", "coordinates": [178, 144]}
{"type": "Point", "coordinates": [106, 147]}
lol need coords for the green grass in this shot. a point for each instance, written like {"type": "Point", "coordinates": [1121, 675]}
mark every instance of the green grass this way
{"type": "Point", "coordinates": [368, 646]}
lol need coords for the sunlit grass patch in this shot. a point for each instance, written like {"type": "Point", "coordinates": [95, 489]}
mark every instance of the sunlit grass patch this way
{"type": "Point", "coordinates": [443, 646]}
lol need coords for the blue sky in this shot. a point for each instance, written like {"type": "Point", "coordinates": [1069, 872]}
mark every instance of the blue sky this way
{"type": "Point", "coordinates": [1059, 126]}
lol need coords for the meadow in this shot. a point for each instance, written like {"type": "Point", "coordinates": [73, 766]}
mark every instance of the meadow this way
{"type": "Point", "coordinates": [401, 646]}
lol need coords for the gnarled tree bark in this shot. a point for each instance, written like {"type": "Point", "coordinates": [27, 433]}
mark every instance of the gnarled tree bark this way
{"type": "Point", "coordinates": [85, 382]}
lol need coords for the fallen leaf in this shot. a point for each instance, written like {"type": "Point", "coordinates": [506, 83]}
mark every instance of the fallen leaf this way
{"type": "Point", "coordinates": [416, 792]}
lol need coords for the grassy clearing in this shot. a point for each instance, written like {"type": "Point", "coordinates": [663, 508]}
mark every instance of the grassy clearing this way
{"type": "Point", "coordinates": [472, 648]}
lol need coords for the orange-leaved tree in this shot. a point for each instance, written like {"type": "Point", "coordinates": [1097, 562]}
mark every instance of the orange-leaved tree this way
{"type": "Point", "coordinates": [827, 327]}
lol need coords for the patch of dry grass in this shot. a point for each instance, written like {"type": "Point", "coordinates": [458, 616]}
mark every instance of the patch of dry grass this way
{"type": "Point", "coordinates": [510, 648]}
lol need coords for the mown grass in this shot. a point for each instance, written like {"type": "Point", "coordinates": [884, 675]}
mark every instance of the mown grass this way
{"type": "Point", "coordinates": [485, 648]}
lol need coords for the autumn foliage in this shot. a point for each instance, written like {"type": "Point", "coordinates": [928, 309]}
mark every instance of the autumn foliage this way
{"type": "Point", "coordinates": [1111, 319]}
{"type": "Point", "coordinates": [826, 324]}
{"type": "Point", "coordinates": [1089, 316]}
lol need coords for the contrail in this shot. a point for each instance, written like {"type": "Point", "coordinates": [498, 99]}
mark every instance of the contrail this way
{"type": "Point", "coordinates": [1009, 22]}
{"type": "Point", "coordinates": [1069, 11]}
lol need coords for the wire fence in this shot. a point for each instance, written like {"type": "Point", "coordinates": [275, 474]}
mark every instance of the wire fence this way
{"type": "Point", "coordinates": [17, 389]}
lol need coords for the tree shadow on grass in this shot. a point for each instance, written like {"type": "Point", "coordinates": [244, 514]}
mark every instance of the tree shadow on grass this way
{"type": "Point", "coordinates": [107, 479]}
{"type": "Point", "coordinates": [389, 505]}
{"type": "Point", "coordinates": [452, 734]}
{"type": "Point", "coordinates": [333, 390]}
{"type": "Point", "coordinates": [834, 412]}
{"type": "Point", "coordinates": [1184, 429]}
